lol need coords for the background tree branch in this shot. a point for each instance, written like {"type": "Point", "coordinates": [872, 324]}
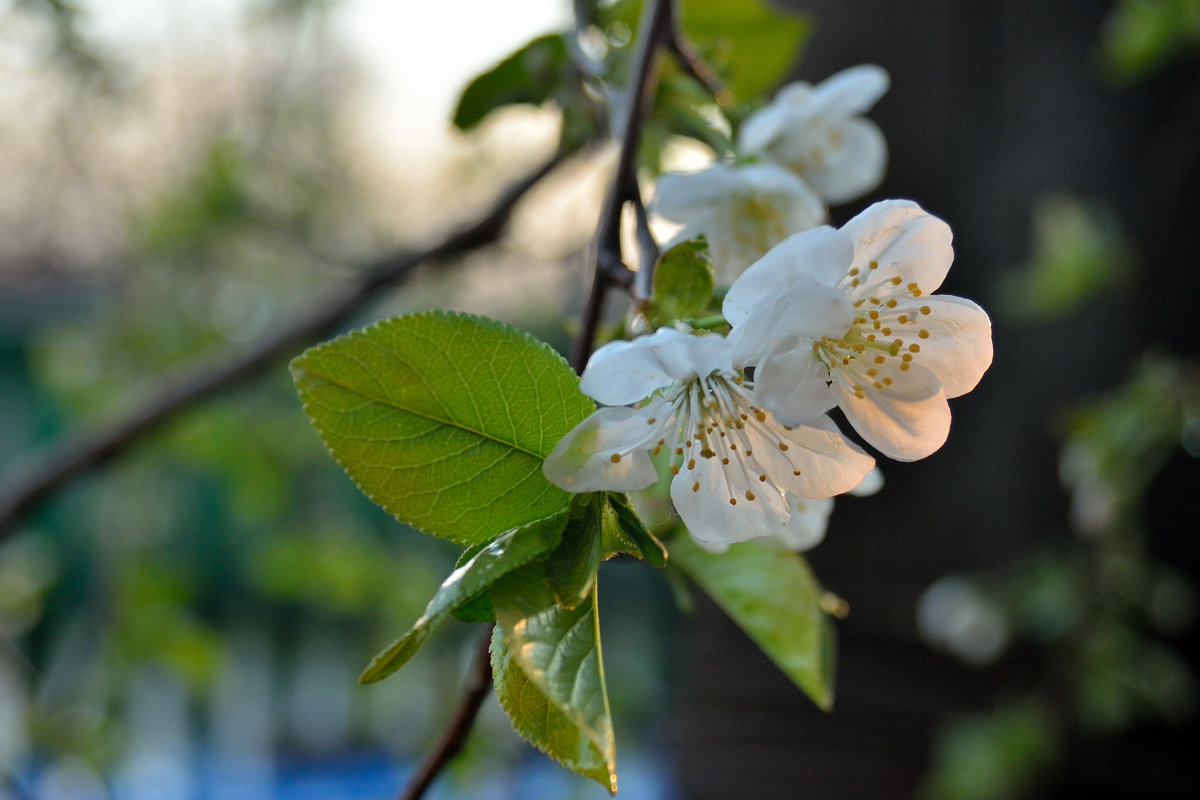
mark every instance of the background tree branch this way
{"type": "Point", "coordinates": [24, 483]}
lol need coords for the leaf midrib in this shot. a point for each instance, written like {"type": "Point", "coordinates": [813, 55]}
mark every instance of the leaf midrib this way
{"type": "Point", "coordinates": [391, 404]}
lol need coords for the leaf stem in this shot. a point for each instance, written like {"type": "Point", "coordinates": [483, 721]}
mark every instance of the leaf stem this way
{"type": "Point", "coordinates": [27, 481]}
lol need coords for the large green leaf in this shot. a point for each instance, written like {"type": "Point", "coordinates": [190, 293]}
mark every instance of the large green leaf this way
{"type": "Point", "coordinates": [571, 568]}
{"type": "Point", "coordinates": [508, 552]}
{"type": "Point", "coordinates": [772, 594]}
{"type": "Point", "coordinates": [558, 649]}
{"type": "Point", "coordinates": [533, 74]}
{"type": "Point", "coordinates": [444, 419]}
{"type": "Point", "coordinates": [754, 44]}
{"type": "Point", "coordinates": [541, 723]}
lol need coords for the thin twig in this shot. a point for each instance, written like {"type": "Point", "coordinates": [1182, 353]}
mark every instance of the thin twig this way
{"type": "Point", "coordinates": [698, 68]}
{"type": "Point", "coordinates": [26, 482]}
{"type": "Point", "coordinates": [455, 735]}
{"type": "Point", "coordinates": [655, 30]}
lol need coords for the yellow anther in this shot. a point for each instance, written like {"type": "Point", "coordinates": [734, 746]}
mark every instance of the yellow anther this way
{"type": "Point", "coordinates": [891, 303]}
{"type": "Point", "coordinates": [854, 282]}
{"type": "Point", "coordinates": [926, 310]}
{"type": "Point", "coordinates": [762, 478]}
{"type": "Point", "coordinates": [733, 501]}
{"type": "Point", "coordinates": [872, 372]}
{"type": "Point", "coordinates": [924, 334]}
{"type": "Point", "coordinates": [616, 458]}
{"type": "Point", "coordinates": [903, 318]}
{"type": "Point", "coordinates": [914, 348]}
{"type": "Point", "coordinates": [904, 367]}
{"type": "Point", "coordinates": [795, 472]}
{"type": "Point", "coordinates": [880, 359]}
{"type": "Point", "coordinates": [696, 486]}
{"type": "Point", "coordinates": [887, 381]}
{"type": "Point", "coordinates": [907, 357]}
{"type": "Point", "coordinates": [874, 265]}
{"type": "Point", "coordinates": [651, 421]}
{"type": "Point", "coordinates": [853, 272]}
{"type": "Point", "coordinates": [674, 470]}
{"type": "Point", "coordinates": [877, 385]}
{"type": "Point", "coordinates": [870, 337]}
{"type": "Point", "coordinates": [873, 314]}
{"type": "Point", "coordinates": [725, 461]}
{"type": "Point", "coordinates": [749, 495]}
{"type": "Point", "coordinates": [896, 280]}
{"type": "Point", "coordinates": [691, 463]}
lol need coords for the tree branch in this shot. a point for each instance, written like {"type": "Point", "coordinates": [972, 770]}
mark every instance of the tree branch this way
{"type": "Point", "coordinates": [655, 31]}
{"type": "Point", "coordinates": [26, 482]}
{"type": "Point", "coordinates": [455, 735]}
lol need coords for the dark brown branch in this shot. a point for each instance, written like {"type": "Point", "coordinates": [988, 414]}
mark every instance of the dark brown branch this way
{"type": "Point", "coordinates": [26, 482]}
{"type": "Point", "coordinates": [455, 735]}
{"type": "Point", "coordinates": [698, 68]}
{"type": "Point", "coordinates": [655, 30]}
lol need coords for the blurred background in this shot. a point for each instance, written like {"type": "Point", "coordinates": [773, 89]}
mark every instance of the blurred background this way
{"type": "Point", "coordinates": [181, 179]}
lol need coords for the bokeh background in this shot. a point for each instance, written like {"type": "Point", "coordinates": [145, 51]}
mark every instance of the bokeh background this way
{"type": "Point", "coordinates": [181, 179]}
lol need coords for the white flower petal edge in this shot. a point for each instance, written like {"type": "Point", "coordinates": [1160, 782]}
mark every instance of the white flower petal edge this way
{"type": "Point", "coordinates": [903, 353]}
{"type": "Point", "coordinates": [816, 133]}
{"type": "Point", "coordinates": [734, 464]}
{"type": "Point", "coordinates": [742, 210]}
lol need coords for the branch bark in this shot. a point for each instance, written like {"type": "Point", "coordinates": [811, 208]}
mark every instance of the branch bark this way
{"type": "Point", "coordinates": [656, 30]}
{"type": "Point", "coordinates": [28, 481]}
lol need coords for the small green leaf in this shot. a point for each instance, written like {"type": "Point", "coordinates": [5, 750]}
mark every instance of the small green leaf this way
{"type": "Point", "coordinates": [559, 651]}
{"type": "Point", "coordinates": [531, 75]}
{"type": "Point", "coordinates": [572, 566]}
{"type": "Point", "coordinates": [540, 722]}
{"type": "Point", "coordinates": [751, 42]}
{"type": "Point", "coordinates": [773, 596]}
{"type": "Point", "coordinates": [444, 419]}
{"type": "Point", "coordinates": [683, 281]}
{"type": "Point", "coordinates": [510, 551]}
{"type": "Point", "coordinates": [629, 528]}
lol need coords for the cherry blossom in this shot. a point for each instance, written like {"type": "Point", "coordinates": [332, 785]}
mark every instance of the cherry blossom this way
{"type": "Point", "coordinates": [734, 465]}
{"type": "Point", "coordinates": [816, 132]}
{"type": "Point", "coordinates": [847, 318]}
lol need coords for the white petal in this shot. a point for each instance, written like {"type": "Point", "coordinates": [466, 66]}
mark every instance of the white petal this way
{"type": "Point", "coordinates": [851, 91]}
{"type": "Point", "coordinates": [870, 484]}
{"type": "Point", "coordinates": [703, 496]}
{"type": "Point", "coordinates": [906, 242]}
{"type": "Point", "coordinates": [907, 420]}
{"type": "Point", "coordinates": [680, 196]}
{"type": "Point", "coordinates": [793, 385]}
{"type": "Point", "coordinates": [805, 529]}
{"type": "Point", "coordinates": [852, 167]}
{"type": "Point", "coordinates": [829, 464]}
{"type": "Point", "coordinates": [959, 347]}
{"type": "Point", "coordinates": [583, 460]}
{"type": "Point", "coordinates": [803, 309]}
{"type": "Point", "coordinates": [823, 254]}
{"type": "Point", "coordinates": [620, 373]}
{"type": "Point", "coordinates": [763, 127]}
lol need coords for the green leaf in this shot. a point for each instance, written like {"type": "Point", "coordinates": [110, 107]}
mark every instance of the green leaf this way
{"type": "Point", "coordinates": [533, 74]}
{"type": "Point", "coordinates": [509, 552]}
{"type": "Point", "coordinates": [629, 528]}
{"type": "Point", "coordinates": [571, 568]}
{"type": "Point", "coordinates": [754, 45]}
{"type": "Point", "coordinates": [683, 281]}
{"type": "Point", "coordinates": [444, 419]}
{"type": "Point", "coordinates": [558, 649]}
{"type": "Point", "coordinates": [541, 723]}
{"type": "Point", "coordinates": [773, 596]}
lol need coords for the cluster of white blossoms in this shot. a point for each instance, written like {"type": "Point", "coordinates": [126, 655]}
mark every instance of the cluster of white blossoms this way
{"type": "Point", "coordinates": [825, 317]}
{"type": "Point", "coordinates": [812, 147]}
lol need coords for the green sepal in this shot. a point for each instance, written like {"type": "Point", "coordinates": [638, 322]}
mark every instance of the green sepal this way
{"type": "Point", "coordinates": [508, 552]}
{"type": "Point", "coordinates": [541, 723]}
{"type": "Point", "coordinates": [683, 282]}
{"type": "Point", "coordinates": [627, 534]}
{"type": "Point", "coordinates": [558, 649]}
{"type": "Point", "coordinates": [772, 595]}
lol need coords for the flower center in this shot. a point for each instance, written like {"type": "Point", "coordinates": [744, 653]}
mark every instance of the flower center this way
{"type": "Point", "coordinates": [885, 333]}
{"type": "Point", "coordinates": [720, 427]}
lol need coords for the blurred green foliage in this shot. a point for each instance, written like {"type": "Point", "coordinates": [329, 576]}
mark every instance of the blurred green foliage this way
{"type": "Point", "coordinates": [1141, 37]}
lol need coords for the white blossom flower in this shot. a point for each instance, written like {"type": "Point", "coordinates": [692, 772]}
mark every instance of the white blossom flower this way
{"type": "Point", "coordinates": [735, 466]}
{"type": "Point", "coordinates": [816, 132]}
{"type": "Point", "coordinates": [846, 317]}
{"type": "Point", "coordinates": [742, 210]}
